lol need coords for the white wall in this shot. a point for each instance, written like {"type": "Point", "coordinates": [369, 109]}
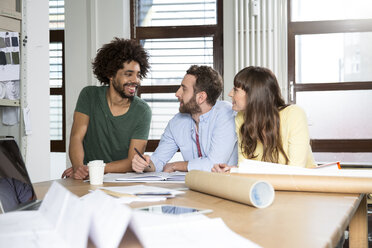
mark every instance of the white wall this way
{"type": "Point", "coordinates": [228, 48]}
{"type": "Point", "coordinates": [89, 25]}
{"type": "Point", "coordinates": [38, 143]}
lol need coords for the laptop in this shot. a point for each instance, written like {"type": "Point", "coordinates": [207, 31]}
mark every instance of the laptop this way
{"type": "Point", "coordinates": [16, 190]}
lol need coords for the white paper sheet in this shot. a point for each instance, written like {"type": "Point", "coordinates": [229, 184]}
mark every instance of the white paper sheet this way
{"type": "Point", "coordinates": [128, 200]}
{"type": "Point", "coordinates": [27, 121]}
{"type": "Point", "coordinates": [135, 189]}
{"type": "Point", "coordinates": [258, 167]}
{"type": "Point", "coordinates": [198, 231]}
{"type": "Point", "coordinates": [177, 176]}
{"type": "Point", "coordinates": [64, 220]}
{"type": "Point", "coordinates": [34, 240]}
{"type": "Point", "coordinates": [111, 177]}
{"type": "Point", "coordinates": [53, 223]}
{"type": "Point", "coordinates": [109, 219]}
{"type": "Point", "coordinates": [10, 115]}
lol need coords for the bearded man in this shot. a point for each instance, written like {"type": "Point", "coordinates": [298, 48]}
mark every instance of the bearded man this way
{"type": "Point", "coordinates": [203, 130]}
{"type": "Point", "coordinates": [109, 120]}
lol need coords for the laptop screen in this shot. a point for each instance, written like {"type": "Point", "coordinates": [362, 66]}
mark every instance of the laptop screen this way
{"type": "Point", "coordinates": [15, 185]}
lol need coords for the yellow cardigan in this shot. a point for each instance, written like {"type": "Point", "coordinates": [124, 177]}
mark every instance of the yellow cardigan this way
{"type": "Point", "coordinates": [295, 138]}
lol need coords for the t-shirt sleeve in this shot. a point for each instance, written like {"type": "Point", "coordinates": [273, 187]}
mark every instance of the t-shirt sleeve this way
{"type": "Point", "coordinates": [84, 101]}
{"type": "Point", "coordinates": [143, 125]}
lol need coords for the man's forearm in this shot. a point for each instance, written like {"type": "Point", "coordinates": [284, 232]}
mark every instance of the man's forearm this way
{"type": "Point", "coordinates": [76, 153]}
{"type": "Point", "coordinates": [180, 166]}
{"type": "Point", "coordinates": [119, 166]}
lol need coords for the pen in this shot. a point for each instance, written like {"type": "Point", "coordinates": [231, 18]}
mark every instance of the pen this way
{"type": "Point", "coordinates": [332, 163]}
{"type": "Point", "coordinates": [139, 154]}
{"type": "Point", "coordinates": [154, 193]}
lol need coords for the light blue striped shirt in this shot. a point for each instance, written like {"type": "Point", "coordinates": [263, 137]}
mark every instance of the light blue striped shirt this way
{"type": "Point", "coordinates": [217, 138]}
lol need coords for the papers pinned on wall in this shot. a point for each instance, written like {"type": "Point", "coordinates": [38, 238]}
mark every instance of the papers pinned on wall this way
{"type": "Point", "coordinates": [9, 74]}
{"type": "Point", "coordinates": [9, 56]}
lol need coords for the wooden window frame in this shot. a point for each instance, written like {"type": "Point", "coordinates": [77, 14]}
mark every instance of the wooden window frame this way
{"type": "Point", "coordinates": [326, 27]}
{"type": "Point", "coordinates": [59, 145]}
{"type": "Point", "coordinates": [215, 31]}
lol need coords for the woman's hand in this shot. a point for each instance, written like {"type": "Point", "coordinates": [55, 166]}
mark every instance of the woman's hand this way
{"type": "Point", "coordinates": [221, 168]}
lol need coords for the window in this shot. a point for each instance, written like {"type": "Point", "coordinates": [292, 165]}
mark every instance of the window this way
{"type": "Point", "coordinates": [329, 61]}
{"type": "Point", "coordinates": [56, 76]}
{"type": "Point", "coordinates": [176, 34]}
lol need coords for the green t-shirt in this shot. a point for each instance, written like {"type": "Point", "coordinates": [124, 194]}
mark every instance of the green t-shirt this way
{"type": "Point", "coordinates": [108, 137]}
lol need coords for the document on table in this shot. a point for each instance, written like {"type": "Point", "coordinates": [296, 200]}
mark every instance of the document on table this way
{"type": "Point", "coordinates": [109, 218]}
{"type": "Point", "coordinates": [257, 167]}
{"type": "Point", "coordinates": [99, 216]}
{"type": "Point", "coordinates": [54, 222]}
{"type": "Point", "coordinates": [142, 189]}
{"type": "Point", "coordinates": [128, 194]}
{"type": "Point", "coordinates": [173, 177]}
{"type": "Point", "coordinates": [194, 231]}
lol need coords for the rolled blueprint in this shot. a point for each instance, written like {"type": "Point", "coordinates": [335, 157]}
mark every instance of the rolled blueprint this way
{"type": "Point", "coordinates": [257, 193]}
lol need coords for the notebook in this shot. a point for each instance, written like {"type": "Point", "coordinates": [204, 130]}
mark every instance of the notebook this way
{"type": "Point", "coordinates": [177, 176]}
{"type": "Point", "coordinates": [16, 190]}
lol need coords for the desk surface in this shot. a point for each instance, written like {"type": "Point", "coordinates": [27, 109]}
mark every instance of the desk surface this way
{"type": "Point", "coordinates": [295, 219]}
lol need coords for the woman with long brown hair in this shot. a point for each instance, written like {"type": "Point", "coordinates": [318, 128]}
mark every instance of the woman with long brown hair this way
{"type": "Point", "coordinates": [268, 129]}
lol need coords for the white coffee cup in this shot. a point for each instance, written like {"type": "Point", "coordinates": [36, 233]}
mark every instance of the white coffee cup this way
{"type": "Point", "coordinates": [96, 171]}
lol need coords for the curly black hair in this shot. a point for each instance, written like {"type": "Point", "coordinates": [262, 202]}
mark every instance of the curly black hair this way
{"type": "Point", "coordinates": [111, 57]}
{"type": "Point", "coordinates": [207, 80]}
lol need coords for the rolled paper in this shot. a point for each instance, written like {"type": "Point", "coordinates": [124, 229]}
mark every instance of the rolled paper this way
{"type": "Point", "coordinates": [257, 193]}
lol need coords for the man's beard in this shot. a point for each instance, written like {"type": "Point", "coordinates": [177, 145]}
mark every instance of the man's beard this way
{"type": "Point", "coordinates": [191, 107]}
{"type": "Point", "coordinates": [121, 91]}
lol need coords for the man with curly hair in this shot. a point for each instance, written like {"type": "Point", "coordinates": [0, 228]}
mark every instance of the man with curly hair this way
{"type": "Point", "coordinates": [110, 120]}
{"type": "Point", "coordinates": [203, 130]}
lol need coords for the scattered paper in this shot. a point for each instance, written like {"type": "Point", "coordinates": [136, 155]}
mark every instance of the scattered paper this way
{"type": "Point", "coordinates": [135, 189]}
{"type": "Point", "coordinates": [64, 220]}
{"type": "Point", "coordinates": [109, 219]}
{"type": "Point", "coordinates": [53, 223]}
{"type": "Point", "coordinates": [198, 231]}
{"type": "Point", "coordinates": [127, 194]}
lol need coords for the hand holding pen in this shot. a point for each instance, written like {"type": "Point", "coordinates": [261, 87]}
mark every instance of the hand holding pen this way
{"type": "Point", "coordinates": [140, 162]}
